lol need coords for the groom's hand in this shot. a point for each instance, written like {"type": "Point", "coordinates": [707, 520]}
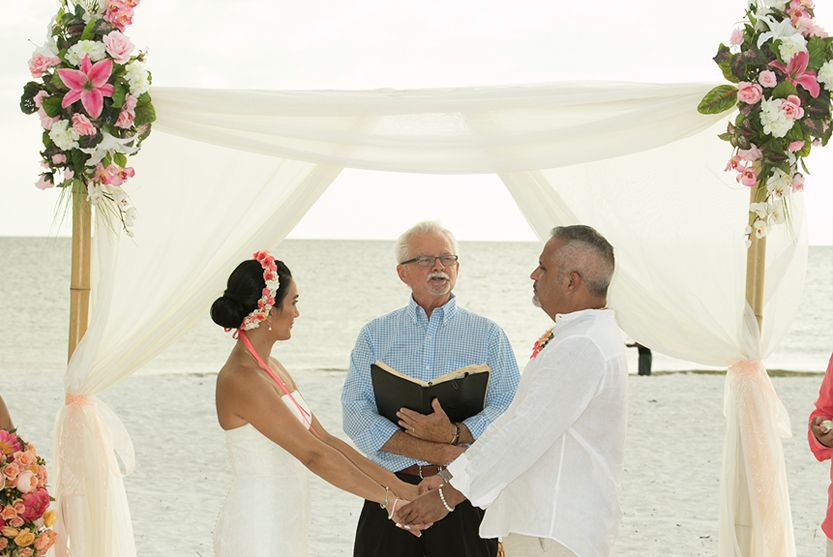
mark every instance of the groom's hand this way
{"type": "Point", "coordinates": [424, 509]}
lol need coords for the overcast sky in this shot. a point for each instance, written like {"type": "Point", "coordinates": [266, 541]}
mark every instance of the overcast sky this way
{"type": "Point", "coordinates": [369, 44]}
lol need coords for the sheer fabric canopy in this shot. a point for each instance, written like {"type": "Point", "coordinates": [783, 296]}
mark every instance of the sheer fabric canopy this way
{"type": "Point", "coordinates": [226, 173]}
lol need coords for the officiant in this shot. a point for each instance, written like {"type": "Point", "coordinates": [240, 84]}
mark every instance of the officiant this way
{"type": "Point", "coordinates": [427, 338]}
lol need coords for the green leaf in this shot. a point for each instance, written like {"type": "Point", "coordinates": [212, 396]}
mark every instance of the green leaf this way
{"type": "Point", "coordinates": [88, 33]}
{"type": "Point", "coordinates": [719, 99]}
{"type": "Point", "coordinates": [52, 106]}
{"type": "Point", "coordinates": [784, 90]}
{"type": "Point", "coordinates": [120, 159]}
{"type": "Point", "coordinates": [738, 66]}
{"type": "Point", "coordinates": [795, 133]}
{"type": "Point", "coordinates": [27, 100]}
{"type": "Point", "coordinates": [817, 48]}
{"type": "Point", "coordinates": [119, 94]}
{"type": "Point", "coordinates": [726, 136]}
{"type": "Point", "coordinates": [78, 158]}
{"type": "Point", "coordinates": [147, 114]}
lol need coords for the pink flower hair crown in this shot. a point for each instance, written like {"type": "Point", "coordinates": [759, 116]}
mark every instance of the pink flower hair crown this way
{"type": "Point", "coordinates": [267, 301]}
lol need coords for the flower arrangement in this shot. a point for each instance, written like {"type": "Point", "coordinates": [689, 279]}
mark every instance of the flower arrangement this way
{"type": "Point", "coordinates": [24, 514]}
{"type": "Point", "coordinates": [541, 343]}
{"type": "Point", "coordinates": [267, 300]}
{"type": "Point", "coordinates": [782, 64]}
{"type": "Point", "coordinates": [93, 102]}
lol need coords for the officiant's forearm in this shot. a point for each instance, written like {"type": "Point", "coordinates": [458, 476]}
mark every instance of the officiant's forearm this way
{"type": "Point", "coordinates": [406, 445]}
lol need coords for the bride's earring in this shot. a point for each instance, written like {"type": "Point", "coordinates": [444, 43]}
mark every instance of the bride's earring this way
{"type": "Point", "coordinates": [270, 325]}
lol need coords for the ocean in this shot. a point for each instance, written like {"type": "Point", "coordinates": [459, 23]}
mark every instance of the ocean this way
{"type": "Point", "coordinates": [342, 285]}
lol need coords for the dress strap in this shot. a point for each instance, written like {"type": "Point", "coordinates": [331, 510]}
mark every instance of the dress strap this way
{"type": "Point", "coordinates": [306, 415]}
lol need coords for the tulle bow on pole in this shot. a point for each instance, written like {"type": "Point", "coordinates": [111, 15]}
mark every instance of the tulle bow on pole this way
{"type": "Point", "coordinates": [90, 441]}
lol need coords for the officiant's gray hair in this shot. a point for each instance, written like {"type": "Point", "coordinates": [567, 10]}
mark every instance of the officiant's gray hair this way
{"type": "Point", "coordinates": [400, 248]}
{"type": "Point", "coordinates": [587, 253]}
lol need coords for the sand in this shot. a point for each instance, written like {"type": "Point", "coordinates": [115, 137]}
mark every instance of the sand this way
{"type": "Point", "coordinates": [670, 483]}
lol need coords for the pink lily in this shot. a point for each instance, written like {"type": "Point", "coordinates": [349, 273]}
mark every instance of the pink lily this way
{"type": "Point", "coordinates": [795, 72]}
{"type": "Point", "coordinates": [88, 84]}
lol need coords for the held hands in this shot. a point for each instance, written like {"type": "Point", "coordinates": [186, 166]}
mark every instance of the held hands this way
{"type": "Point", "coordinates": [822, 430]}
{"type": "Point", "coordinates": [427, 508]}
{"type": "Point", "coordinates": [429, 483]}
{"type": "Point", "coordinates": [415, 529]}
{"type": "Point", "coordinates": [434, 427]}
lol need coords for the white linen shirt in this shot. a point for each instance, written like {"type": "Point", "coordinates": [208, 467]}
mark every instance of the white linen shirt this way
{"type": "Point", "coordinates": [550, 466]}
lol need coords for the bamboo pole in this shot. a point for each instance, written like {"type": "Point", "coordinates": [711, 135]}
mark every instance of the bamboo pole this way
{"type": "Point", "coordinates": [755, 265]}
{"type": "Point", "coordinates": [79, 289]}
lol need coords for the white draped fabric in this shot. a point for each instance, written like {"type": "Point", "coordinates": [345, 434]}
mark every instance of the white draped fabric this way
{"type": "Point", "coordinates": [226, 173]}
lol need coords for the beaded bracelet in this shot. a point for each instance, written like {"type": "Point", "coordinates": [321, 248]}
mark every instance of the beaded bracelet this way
{"type": "Point", "coordinates": [442, 498]}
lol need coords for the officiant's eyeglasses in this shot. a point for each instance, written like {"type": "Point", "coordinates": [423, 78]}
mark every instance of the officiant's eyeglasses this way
{"type": "Point", "coordinates": [428, 261]}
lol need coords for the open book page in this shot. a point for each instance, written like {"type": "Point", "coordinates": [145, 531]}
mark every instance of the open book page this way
{"type": "Point", "coordinates": [475, 368]}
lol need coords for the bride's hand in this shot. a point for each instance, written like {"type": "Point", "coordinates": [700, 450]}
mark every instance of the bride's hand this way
{"type": "Point", "coordinates": [404, 490]}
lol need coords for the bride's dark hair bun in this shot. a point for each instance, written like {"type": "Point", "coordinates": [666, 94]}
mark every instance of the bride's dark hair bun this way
{"type": "Point", "coordinates": [244, 288]}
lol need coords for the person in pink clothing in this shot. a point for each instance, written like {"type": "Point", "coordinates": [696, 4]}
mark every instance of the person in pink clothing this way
{"type": "Point", "coordinates": [820, 437]}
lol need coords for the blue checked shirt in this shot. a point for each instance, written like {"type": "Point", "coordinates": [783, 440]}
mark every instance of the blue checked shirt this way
{"type": "Point", "coordinates": [407, 341]}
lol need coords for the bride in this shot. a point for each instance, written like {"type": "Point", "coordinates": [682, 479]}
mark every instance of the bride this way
{"type": "Point", "coordinates": [272, 435]}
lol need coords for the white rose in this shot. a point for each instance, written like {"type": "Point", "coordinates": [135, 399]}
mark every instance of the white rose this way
{"type": "Point", "coordinates": [94, 49]}
{"type": "Point", "coordinates": [63, 135]}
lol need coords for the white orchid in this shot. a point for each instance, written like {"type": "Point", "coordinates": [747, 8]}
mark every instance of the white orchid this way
{"type": "Point", "coordinates": [778, 182]}
{"type": "Point", "coordinates": [109, 144]}
{"type": "Point", "coordinates": [776, 212]}
{"type": "Point", "coordinates": [759, 209]}
{"type": "Point", "coordinates": [129, 216]}
{"type": "Point", "coordinates": [761, 229]}
{"type": "Point", "coordinates": [95, 194]}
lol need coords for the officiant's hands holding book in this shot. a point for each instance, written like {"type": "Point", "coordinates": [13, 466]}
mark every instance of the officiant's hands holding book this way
{"type": "Point", "coordinates": [434, 427]}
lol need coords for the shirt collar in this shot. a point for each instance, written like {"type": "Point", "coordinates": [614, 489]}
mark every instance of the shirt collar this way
{"type": "Point", "coordinates": [444, 313]}
{"type": "Point", "coordinates": [572, 316]}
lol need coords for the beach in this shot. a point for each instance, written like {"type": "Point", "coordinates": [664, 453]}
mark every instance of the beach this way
{"type": "Point", "coordinates": [670, 483]}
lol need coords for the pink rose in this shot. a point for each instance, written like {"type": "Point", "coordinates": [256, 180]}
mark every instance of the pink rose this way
{"type": "Point", "coordinates": [750, 93]}
{"type": "Point", "coordinates": [130, 101]}
{"type": "Point", "coordinates": [791, 107]}
{"type": "Point", "coordinates": [59, 158]}
{"type": "Point", "coordinates": [16, 522]}
{"type": "Point", "coordinates": [26, 481]}
{"type": "Point", "coordinates": [40, 97]}
{"type": "Point", "coordinates": [8, 513]}
{"type": "Point", "coordinates": [736, 37]}
{"type": "Point", "coordinates": [798, 182]}
{"type": "Point", "coordinates": [45, 121]}
{"type": "Point", "coordinates": [125, 118]}
{"type": "Point", "coordinates": [118, 46]}
{"type": "Point", "coordinates": [4, 543]}
{"type": "Point", "coordinates": [43, 474]}
{"type": "Point", "coordinates": [40, 64]}
{"type": "Point", "coordinates": [44, 183]}
{"type": "Point", "coordinates": [11, 471]}
{"type": "Point", "coordinates": [25, 459]}
{"type": "Point", "coordinates": [82, 125]}
{"type": "Point", "coordinates": [768, 79]}
{"type": "Point", "coordinates": [796, 146]}
{"type": "Point", "coordinates": [26, 552]}
{"type": "Point", "coordinates": [19, 507]}
{"type": "Point", "coordinates": [69, 174]}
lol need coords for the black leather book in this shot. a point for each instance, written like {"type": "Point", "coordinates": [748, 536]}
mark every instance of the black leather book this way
{"type": "Point", "coordinates": [462, 392]}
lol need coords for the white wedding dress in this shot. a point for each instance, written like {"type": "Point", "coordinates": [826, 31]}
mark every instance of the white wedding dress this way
{"type": "Point", "coordinates": [267, 511]}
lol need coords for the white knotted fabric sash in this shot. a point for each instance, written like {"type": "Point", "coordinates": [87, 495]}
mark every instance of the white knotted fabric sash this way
{"type": "Point", "coordinates": [227, 173]}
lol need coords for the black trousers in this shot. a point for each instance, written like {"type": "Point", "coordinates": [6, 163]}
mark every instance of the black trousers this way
{"type": "Point", "coordinates": [454, 536]}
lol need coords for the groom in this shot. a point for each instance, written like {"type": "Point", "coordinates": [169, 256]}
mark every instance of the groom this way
{"type": "Point", "coordinates": [548, 470]}
{"type": "Point", "coordinates": [429, 337]}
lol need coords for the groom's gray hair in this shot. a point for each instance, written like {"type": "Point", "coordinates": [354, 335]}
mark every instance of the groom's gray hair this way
{"type": "Point", "coordinates": [587, 253]}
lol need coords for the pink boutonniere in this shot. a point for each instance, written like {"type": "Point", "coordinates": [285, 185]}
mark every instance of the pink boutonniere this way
{"type": "Point", "coordinates": [541, 343]}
